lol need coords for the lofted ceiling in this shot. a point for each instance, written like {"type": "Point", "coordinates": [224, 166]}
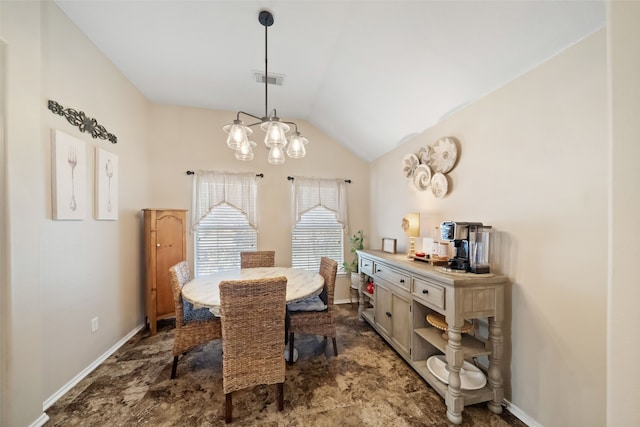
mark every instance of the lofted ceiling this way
{"type": "Point", "coordinates": [370, 74]}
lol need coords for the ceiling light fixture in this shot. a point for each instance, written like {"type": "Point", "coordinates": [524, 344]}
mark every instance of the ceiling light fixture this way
{"type": "Point", "coordinates": [274, 128]}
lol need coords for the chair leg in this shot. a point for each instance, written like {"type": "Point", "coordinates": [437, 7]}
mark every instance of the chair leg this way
{"type": "Point", "coordinates": [335, 347]}
{"type": "Point", "coordinates": [228, 408]}
{"type": "Point", "coordinates": [175, 366]}
{"type": "Point", "coordinates": [290, 362]}
{"type": "Point", "coordinates": [280, 396]}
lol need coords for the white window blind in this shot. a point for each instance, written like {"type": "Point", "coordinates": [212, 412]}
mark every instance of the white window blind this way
{"type": "Point", "coordinates": [315, 235]}
{"type": "Point", "coordinates": [220, 237]}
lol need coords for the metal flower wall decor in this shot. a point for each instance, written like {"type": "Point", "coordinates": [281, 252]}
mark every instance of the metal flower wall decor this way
{"type": "Point", "coordinates": [82, 121]}
{"type": "Point", "coordinates": [428, 168]}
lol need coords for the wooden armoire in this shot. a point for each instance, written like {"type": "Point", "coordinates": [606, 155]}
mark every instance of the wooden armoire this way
{"type": "Point", "coordinates": [165, 244]}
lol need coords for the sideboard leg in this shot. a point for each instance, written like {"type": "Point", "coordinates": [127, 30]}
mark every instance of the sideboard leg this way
{"type": "Point", "coordinates": [361, 296]}
{"type": "Point", "coordinates": [455, 358]}
{"type": "Point", "coordinates": [495, 360]}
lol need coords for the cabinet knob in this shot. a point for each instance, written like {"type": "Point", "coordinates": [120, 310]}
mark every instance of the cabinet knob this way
{"type": "Point", "coordinates": [425, 291]}
{"type": "Point", "coordinates": [388, 314]}
{"type": "Point", "coordinates": [378, 271]}
{"type": "Point", "coordinates": [401, 280]}
{"type": "Point", "coordinates": [158, 244]}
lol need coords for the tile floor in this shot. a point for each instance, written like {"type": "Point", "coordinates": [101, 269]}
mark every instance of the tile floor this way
{"type": "Point", "coordinates": [368, 384]}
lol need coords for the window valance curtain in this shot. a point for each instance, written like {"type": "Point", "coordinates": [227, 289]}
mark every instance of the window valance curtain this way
{"type": "Point", "coordinates": [308, 193]}
{"type": "Point", "coordinates": [210, 189]}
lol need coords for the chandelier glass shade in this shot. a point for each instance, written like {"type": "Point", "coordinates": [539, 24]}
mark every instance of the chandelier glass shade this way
{"type": "Point", "coordinates": [275, 129]}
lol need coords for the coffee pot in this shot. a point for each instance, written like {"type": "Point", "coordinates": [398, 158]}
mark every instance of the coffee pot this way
{"type": "Point", "coordinates": [470, 243]}
{"type": "Point", "coordinates": [479, 239]}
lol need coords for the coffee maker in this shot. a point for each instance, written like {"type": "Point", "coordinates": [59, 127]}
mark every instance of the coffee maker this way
{"type": "Point", "coordinates": [470, 243]}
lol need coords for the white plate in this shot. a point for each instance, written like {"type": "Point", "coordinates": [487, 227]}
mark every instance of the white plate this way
{"type": "Point", "coordinates": [409, 164]}
{"type": "Point", "coordinates": [471, 377]}
{"type": "Point", "coordinates": [439, 185]}
{"type": "Point", "coordinates": [422, 177]}
{"type": "Point", "coordinates": [443, 155]}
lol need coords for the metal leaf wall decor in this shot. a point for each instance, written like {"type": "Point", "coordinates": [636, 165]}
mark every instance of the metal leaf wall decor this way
{"type": "Point", "coordinates": [84, 123]}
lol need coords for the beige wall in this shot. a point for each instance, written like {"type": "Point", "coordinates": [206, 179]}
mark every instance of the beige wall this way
{"type": "Point", "coordinates": [63, 273]}
{"type": "Point", "coordinates": [26, 193]}
{"type": "Point", "coordinates": [532, 164]}
{"type": "Point", "coordinates": [623, 370]}
{"type": "Point", "coordinates": [90, 268]}
{"type": "Point", "coordinates": [192, 139]}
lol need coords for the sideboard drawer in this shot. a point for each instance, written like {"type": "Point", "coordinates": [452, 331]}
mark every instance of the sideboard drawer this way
{"type": "Point", "coordinates": [396, 277]}
{"type": "Point", "coordinates": [431, 293]}
{"type": "Point", "coordinates": [366, 266]}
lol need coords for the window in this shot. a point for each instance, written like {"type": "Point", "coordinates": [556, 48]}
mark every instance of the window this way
{"type": "Point", "coordinates": [317, 234]}
{"type": "Point", "coordinates": [219, 239]}
{"type": "Point", "coordinates": [223, 220]}
{"type": "Point", "coordinates": [320, 219]}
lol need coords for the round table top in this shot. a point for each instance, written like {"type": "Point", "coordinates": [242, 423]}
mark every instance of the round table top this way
{"type": "Point", "coordinates": [203, 291]}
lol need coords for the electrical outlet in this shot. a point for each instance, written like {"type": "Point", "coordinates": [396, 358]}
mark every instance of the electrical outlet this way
{"type": "Point", "coordinates": [94, 324]}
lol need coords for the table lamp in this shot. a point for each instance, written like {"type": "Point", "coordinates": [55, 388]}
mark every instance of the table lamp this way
{"type": "Point", "coordinates": [411, 227]}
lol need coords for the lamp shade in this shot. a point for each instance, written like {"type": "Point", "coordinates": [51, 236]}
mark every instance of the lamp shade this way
{"type": "Point", "coordinates": [411, 224]}
{"type": "Point", "coordinates": [245, 151]}
{"type": "Point", "coordinates": [275, 133]}
{"type": "Point", "coordinates": [276, 155]}
{"type": "Point", "coordinates": [296, 149]}
{"type": "Point", "coordinates": [238, 134]}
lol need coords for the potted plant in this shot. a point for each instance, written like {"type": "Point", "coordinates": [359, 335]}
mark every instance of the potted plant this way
{"type": "Point", "coordinates": [352, 267]}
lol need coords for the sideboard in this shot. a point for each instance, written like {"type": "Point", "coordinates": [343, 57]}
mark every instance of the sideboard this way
{"type": "Point", "coordinates": [406, 291]}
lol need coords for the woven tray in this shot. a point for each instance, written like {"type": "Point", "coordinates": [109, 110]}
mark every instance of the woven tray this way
{"type": "Point", "coordinates": [437, 321]}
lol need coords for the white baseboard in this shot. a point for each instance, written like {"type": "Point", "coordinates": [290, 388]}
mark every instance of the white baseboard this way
{"type": "Point", "coordinates": [345, 301]}
{"type": "Point", "coordinates": [42, 419]}
{"type": "Point", "coordinates": [521, 415]}
{"type": "Point", "coordinates": [86, 371]}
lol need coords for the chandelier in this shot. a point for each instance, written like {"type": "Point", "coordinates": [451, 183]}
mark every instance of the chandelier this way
{"type": "Point", "coordinates": [275, 129]}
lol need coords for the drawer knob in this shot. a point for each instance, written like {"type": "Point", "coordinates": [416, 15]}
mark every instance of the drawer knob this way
{"type": "Point", "coordinates": [388, 314]}
{"type": "Point", "coordinates": [401, 280]}
{"type": "Point", "coordinates": [425, 291]}
{"type": "Point", "coordinates": [378, 271]}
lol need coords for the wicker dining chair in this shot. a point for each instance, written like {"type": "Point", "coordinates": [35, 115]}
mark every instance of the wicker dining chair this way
{"type": "Point", "coordinates": [317, 322]}
{"type": "Point", "coordinates": [253, 332]}
{"type": "Point", "coordinates": [257, 259]}
{"type": "Point", "coordinates": [193, 326]}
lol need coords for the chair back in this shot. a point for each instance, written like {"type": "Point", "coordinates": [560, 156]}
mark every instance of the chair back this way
{"type": "Point", "coordinates": [257, 259]}
{"type": "Point", "coordinates": [328, 270]}
{"type": "Point", "coordinates": [253, 318]}
{"type": "Point", "coordinates": [179, 274]}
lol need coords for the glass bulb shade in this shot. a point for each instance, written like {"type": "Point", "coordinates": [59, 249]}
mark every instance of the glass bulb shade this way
{"type": "Point", "coordinates": [245, 151]}
{"type": "Point", "coordinates": [238, 134]}
{"type": "Point", "coordinates": [275, 133]}
{"type": "Point", "coordinates": [276, 155]}
{"type": "Point", "coordinates": [296, 149]}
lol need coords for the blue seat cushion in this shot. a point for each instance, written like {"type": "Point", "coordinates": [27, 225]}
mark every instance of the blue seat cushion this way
{"type": "Point", "coordinates": [195, 314]}
{"type": "Point", "coordinates": [308, 304]}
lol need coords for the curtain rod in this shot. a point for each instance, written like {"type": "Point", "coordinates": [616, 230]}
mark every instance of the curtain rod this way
{"type": "Point", "coordinates": [259, 175]}
{"type": "Point", "coordinates": [290, 178]}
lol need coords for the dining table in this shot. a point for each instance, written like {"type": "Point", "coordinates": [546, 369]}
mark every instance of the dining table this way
{"type": "Point", "coordinates": [204, 291]}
